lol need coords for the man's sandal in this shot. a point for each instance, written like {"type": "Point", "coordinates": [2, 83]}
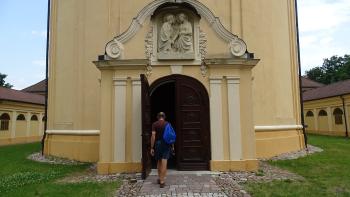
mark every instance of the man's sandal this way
{"type": "Point", "coordinates": [161, 185]}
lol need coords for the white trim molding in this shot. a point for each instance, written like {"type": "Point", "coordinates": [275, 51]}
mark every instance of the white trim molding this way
{"type": "Point", "coordinates": [73, 132]}
{"type": "Point", "coordinates": [278, 127]}
{"type": "Point", "coordinates": [114, 48]}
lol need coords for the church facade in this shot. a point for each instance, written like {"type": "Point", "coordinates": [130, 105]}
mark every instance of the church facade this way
{"type": "Point", "coordinates": [225, 73]}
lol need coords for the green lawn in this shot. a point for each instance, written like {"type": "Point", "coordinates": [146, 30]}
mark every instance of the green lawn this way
{"type": "Point", "coordinates": [326, 173]}
{"type": "Point", "coordinates": [22, 177]}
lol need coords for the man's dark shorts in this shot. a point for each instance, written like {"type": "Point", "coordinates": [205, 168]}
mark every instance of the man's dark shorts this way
{"type": "Point", "coordinates": [162, 150]}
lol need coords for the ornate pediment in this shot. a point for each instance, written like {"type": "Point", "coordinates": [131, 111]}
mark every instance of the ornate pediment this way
{"type": "Point", "coordinates": [175, 33]}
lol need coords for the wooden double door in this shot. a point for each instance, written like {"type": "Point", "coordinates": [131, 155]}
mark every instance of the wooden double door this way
{"type": "Point", "coordinates": [185, 101]}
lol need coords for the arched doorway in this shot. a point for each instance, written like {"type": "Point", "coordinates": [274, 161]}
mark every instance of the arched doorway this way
{"type": "Point", "coordinates": [186, 103]}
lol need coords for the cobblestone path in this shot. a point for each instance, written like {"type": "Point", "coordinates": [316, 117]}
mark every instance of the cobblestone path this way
{"type": "Point", "coordinates": [188, 185]}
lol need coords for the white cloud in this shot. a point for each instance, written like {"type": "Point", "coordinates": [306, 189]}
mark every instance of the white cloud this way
{"type": "Point", "coordinates": [322, 26]}
{"type": "Point", "coordinates": [41, 62]}
{"type": "Point", "coordinates": [318, 15]}
{"type": "Point", "coordinates": [39, 33]}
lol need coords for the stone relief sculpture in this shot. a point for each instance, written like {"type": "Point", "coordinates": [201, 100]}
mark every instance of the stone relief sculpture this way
{"type": "Point", "coordinates": [167, 34]}
{"type": "Point", "coordinates": [175, 37]}
{"type": "Point", "coordinates": [184, 40]}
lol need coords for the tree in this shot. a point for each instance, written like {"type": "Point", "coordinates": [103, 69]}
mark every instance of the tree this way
{"type": "Point", "coordinates": [333, 69]}
{"type": "Point", "coordinates": [3, 83]}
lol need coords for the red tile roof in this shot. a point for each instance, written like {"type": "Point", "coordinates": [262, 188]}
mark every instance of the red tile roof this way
{"type": "Point", "coordinates": [308, 83]}
{"type": "Point", "coordinates": [36, 88]}
{"type": "Point", "coordinates": [332, 90]}
{"type": "Point", "coordinates": [19, 96]}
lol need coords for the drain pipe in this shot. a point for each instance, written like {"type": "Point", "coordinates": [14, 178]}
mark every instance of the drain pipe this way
{"type": "Point", "coordinates": [345, 118]}
{"type": "Point", "coordinates": [46, 73]}
{"type": "Point", "coordinates": [299, 66]}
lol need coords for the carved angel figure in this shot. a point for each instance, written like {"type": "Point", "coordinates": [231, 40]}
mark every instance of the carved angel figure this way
{"type": "Point", "coordinates": [167, 34]}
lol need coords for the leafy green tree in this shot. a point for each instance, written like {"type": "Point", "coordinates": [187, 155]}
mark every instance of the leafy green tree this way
{"type": "Point", "coordinates": [333, 69]}
{"type": "Point", "coordinates": [3, 83]}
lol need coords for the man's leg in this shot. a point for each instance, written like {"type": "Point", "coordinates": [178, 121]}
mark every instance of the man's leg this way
{"type": "Point", "coordinates": [159, 166]}
{"type": "Point", "coordinates": [163, 170]}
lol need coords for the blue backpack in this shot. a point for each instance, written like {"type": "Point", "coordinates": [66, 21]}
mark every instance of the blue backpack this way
{"type": "Point", "coordinates": [169, 135]}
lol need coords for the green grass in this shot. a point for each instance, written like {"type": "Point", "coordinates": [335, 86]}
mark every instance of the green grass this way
{"type": "Point", "coordinates": [326, 173]}
{"type": "Point", "coordinates": [22, 177]}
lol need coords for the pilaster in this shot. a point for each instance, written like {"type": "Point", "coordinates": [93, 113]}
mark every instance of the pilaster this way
{"type": "Point", "coordinates": [329, 118]}
{"type": "Point", "coordinates": [119, 118]}
{"type": "Point", "coordinates": [13, 124]}
{"type": "Point", "coordinates": [28, 124]}
{"type": "Point", "coordinates": [315, 119]}
{"type": "Point", "coordinates": [136, 120]}
{"type": "Point", "coordinates": [216, 127]}
{"type": "Point", "coordinates": [234, 114]}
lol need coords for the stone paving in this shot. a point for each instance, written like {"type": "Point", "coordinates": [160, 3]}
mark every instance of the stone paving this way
{"type": "Point", "coordinates": [182, 184]}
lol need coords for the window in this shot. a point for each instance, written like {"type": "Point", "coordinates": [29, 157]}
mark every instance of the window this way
{"type": "Point", "coordinates": [34, 118]}
{"type": "Point", "coordinates": [338, 116]}
{"type": "Point", "coordinates": [309, 114]}
{"type": "Point", "coordinates": [4, 122]}
{"type": "Point", "coordinates": [322, 113]}
{"type": "Point", "coordinates": [21, 117]}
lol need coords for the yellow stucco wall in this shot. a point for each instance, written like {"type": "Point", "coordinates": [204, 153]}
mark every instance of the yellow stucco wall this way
{"type": "Point", "coordinates": [21, 131]}
{"type": "Point", "coordinates": [80, 29]}
{"type": "Point", "coordinates": [326, 125]}
{"type": "Point", "coordinates": [80, 148]}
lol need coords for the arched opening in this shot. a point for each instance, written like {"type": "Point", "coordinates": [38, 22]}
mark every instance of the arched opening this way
{"type": "Point", "coordinates": [186, 102]}
{"type": "Point", "coordinates": [322, 113]}
{"type": "Point", "coordinates": [322, 121]}
{"type": "Point", "coordinates": [309, 120]}
{"type": "Point", "coordinates": [34, 118]}
{"type": "Point", "coordinates": [21, 117]}
{"type": "Point", "coordinates": [309, 114]}
{"type": "Point", "coordinates": [338, 116]}
{"type": "Point", "coordinates": [4, 122]}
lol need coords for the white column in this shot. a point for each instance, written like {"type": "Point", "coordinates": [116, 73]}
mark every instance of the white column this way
{"type": "Point", "coordinates": [216, 129]}
{"type": "Point", "coordinates": [136, 121]}
{"type": "Point", "coordinates": [28, 124]}
{"type": "Point", "coordinates": [315, 119]}
{"type": "Point", "coordinates": [40, 124]}
{"type": "Point", "coordinates": [330, 117]}
{"type": "Point", "coordinates": [13, 124]}
{"type": "Point", "coordinates": [119, 118]}
{"type": "Point", "coordinates": [234, 118]}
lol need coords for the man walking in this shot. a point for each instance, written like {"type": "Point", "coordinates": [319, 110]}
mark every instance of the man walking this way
{"type": "Point", "coordinates": [159, 148]}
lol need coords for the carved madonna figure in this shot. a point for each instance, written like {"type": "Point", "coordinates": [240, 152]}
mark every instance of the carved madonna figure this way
{"type": "Point", "coordinates": [167, 34]}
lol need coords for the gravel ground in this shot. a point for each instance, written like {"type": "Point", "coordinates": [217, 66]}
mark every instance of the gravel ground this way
{"type": "Point", "coordinates": [297, 154]}
{"type": "Point", "coordinates": [52, 160]}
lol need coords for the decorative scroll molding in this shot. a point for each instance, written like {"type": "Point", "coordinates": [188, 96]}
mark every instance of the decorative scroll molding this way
{"type": "Point", "coordinates": [149, 44]}
{"type": "Point", "coordinates": [114, 48]}
{"type": "Point", "coordinates": [149, 51]}
{"type": "Point", "coordinates": [202, 44]}
{"type": "Point", "coordinates": [203, 51]}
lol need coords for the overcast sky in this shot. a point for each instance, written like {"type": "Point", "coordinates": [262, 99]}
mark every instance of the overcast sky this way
{"type": "Point", "coordinates": [324, 31]}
